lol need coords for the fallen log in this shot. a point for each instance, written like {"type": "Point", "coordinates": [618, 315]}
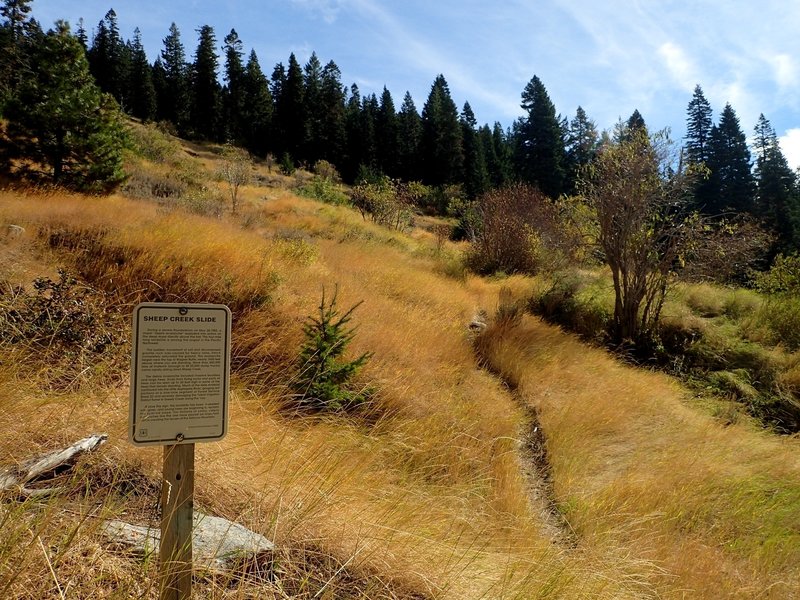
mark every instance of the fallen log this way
{"type": "Point", "coordinates": [18, 476]}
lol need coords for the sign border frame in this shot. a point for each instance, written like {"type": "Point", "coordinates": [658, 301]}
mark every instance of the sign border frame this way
{"type": "Point", "coordinates": [134, 367]}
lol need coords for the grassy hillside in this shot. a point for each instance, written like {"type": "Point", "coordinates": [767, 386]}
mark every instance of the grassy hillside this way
{"type": "Point", "coordinates": [427, 492]}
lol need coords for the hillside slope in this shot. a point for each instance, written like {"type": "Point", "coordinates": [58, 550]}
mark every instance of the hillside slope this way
{"type": "Point", "coordinates": [425, 493]}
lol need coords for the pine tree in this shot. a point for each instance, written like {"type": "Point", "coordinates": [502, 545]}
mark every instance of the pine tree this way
{"type": "Point", "coordinates": [173, 98]}
{"type": "Point", "coordinates": [59, 119]}
{"type": "Point", "coordinates": [502, 172]}
{"type": "Point", "coordinates": [777, 198]}
{"type": "Point", "coordinates": [290, 110]}
{"type": "Point", "coordinates": [313, 111]}
{"type": "Point", "coordinates": [108, 58]}
{"type": "Point", "coordinates": [698, 146]}
{"type": "Point", "coordinates": [476, 175]}
{"type": "Point", "coordinates": [205, 90]}
{"type": "Point", "coordinates": [409, 135]}
{"type": "Point", "coordinates": [82, 36]}
{"type": "Point", "coordinates": [442, 151]}
{"type": "Point", "coordinates": [386, 134]}
{"type": "Point", "coordinates": [257, 108]}
{"type": "Point", "coordinates": [141, 91]}
{"type": "Point", "coordinates": [539, 144]}
{"type": "Point", "coordinates": [233, 102]}
{"type": "Point", "coordinates": [731, 183]}
{"type": "Point", "coordinates": [15, 13]}
{"type": "Point", "coordinates": [277, 87]}
{"type": "Point", "coordinates": [14, 46]}
{"type": "Point", "coordinates": [368, 141]}
{"type": "Point", "coordinates": [324, 379]}
{"type": "Point", "coordinates": [698, 128]}
{"type": "Point", "coordinates": [636, 123]}
{"type": "Point", "coordinates": [581, 146]}
{"type": "Point", "coordinates": [354, 156]}
{"type": "Point", "coordinates": [332, 131]}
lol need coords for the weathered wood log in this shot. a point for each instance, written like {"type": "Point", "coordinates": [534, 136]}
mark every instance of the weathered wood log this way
{"type": "Point", "coordinates": [17, 476]}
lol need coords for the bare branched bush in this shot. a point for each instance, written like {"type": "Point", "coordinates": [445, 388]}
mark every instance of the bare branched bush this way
{"type": "Point", "coordinates": [640, 201]}
{"type": "Point", "coordinates": [728, 252]}
{"type": "Point", "coordinates": [235, 170]}
{"type": "Point", "coordinates": [519, 231]}
{"type": "Point", "coordinates": [386, 202]}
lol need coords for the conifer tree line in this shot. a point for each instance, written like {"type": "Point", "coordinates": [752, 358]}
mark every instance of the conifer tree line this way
{"type": "Point", "coordinates": [303, 113]}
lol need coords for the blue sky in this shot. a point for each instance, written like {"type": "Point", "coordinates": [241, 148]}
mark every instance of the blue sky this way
{"type": "Point", "coordinates": [608, 56]}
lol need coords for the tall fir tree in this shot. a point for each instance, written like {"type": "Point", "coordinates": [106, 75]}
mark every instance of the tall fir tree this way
{"type": "Point", "coordinates": [108, 58]}
{"type": "Point", "coordinates": [16, 16]}
{"type": "Point", "coordinates": [257, 108]}
{"type": "Point", "coordinates": [442, 151]}
{"type": "Point", "coordinates": [60, 123]}
{"type": "Point", "coordinates": [233, 94]}
{"type": "Point", "coordinates": [82, 36]}
{"type": "Point", "coordinates": [777, 197]}
{"type": "Point", "coordinates": [313, 112]}
{"type": "Point", "coordinates": [698, 128]}
{"type": "Point", "coordinates": [14, 46]}
{"type": "Point", "coordinates": [636, 123]}
{"type": "Point", "coordinates": [141, 91]}
{"type": "Point", "coordinates": [332, 130]}
{"type": "Point", "coordinates": [205, 89]}
{"type": "Point", "coordinates": [386, 134]}
{"type": "Point", "coordinates": [290, 110]}
{"type": "Point", "coordinates": [354, 153]}
{"type": "Point", "coordinates": [476, 175]}
{"type": "Point", "coordinates": [502, 173]}
{"type": "Point", "coordinates": [409, 136]}
{"type": "Point", "coordinates": [581, 146]}
{"type": "Point", "coordinates": [173, 97]}
{"type": "Point", "coordinates": [698, 146]}
{"type": "Point", "coordinates": [369, 143]}
{"type": "Point", "coordinates": [277, 86]}
{"type": "Point", "coordinates": [731, 182]}
{"type": "Point", "coordinates": [539, 143]}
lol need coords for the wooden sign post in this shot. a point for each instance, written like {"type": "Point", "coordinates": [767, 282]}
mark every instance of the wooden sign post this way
{"type": "Point", "coordinates": [177, 512]}
{"type": "Point", "coordinates": [180, 372]}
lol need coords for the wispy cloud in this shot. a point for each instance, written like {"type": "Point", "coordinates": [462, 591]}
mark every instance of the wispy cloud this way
{"type": "Point", "coordinates": [328, 10]}
{"type": "Point", "coordinates": [790, 145]}
{"type": "Point", "coordinates": [428, 59]}
{"type": "Point", "coordinates": [784, 71]}
{"type": "Point", "coordinates": [679, 65]}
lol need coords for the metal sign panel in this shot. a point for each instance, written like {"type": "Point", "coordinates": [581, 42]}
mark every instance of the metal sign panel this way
{"type": "Point", "coordinates": [180, 371]}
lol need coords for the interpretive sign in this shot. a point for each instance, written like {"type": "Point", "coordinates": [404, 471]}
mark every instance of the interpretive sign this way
{"type": "Point", "coordinates": [180, 367]}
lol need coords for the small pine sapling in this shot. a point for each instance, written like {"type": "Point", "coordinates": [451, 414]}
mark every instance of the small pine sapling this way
{"type": "Point", "coordinates": [324, 379]}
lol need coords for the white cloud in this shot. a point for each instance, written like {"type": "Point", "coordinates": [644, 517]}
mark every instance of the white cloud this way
{"type": "Point", "coordinates": [785, 70]}
{"type": "Point", "coordinates": [790, 145]}
{"type": "Point", "coordinates": [678, 65]}
{"type": "Point", "coordinates": [327, 9]}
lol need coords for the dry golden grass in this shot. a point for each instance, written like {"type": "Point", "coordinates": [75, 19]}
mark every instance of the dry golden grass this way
{"type": "Point", "coordinates": [426, 495]}
{"type": "Point", "coordinates": [423, 494]}
{"type": "Point", "coordinates": [690, 507]}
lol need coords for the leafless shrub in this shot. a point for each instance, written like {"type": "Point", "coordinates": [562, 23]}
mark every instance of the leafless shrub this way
{"type": "Point", "coordinates": [519, 231]}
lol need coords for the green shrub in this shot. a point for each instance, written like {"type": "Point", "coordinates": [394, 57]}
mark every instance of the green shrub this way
{"type": "Point", "coordinates": [783, 277]}
{"type": "Point", "coordinates": [151, 143]}
{"type": "Point", "coordinates": [286, 165]}
{"type": "Point", "coordinates": [323, 189]}
{"type": "Point", "coordinates": [385, 202]}
{"type": "Point", "coordinates": [67, 326]}
{"type": "Point", "coordinates": [781, 315]}
{"type": "Point", "coordinates": [324, 379]}
{"type": "Point", "coordinates": [566, 303]}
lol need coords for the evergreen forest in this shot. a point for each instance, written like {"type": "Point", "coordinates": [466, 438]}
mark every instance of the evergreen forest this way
{"type": "Point", "coordinates": [301, 114]}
